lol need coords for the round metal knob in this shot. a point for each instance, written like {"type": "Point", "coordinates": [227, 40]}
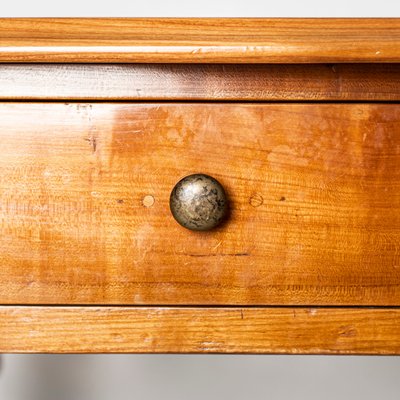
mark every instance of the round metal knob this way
{"type": "Point", "coordinates": [198, 202]}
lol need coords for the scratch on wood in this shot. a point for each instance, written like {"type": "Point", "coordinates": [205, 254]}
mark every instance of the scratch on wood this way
{"type": "Point", "coordinates": [216, 247]}
{"type": "Point", "coordinates": [93, 142]}
{"type": "Point", "coordinates": [347, 331]}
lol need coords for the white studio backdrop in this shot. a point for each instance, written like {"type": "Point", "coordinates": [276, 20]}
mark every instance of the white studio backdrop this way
{"type": "Point", "coordinates": [176, 377]}
{"type": "Point", "coordinates": [203, 8]}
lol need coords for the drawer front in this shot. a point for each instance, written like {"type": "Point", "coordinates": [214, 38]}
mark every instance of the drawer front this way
{"type": "Point", "coordinates": [314, 193]}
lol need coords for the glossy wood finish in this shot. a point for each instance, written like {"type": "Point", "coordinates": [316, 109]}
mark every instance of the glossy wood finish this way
{"type": "Point", "coordinates": [210, 40]}
{"type": "Point", "coordinates": [314, 192]}
{"type": "Point", "coordinates": [211, 82]}
{"type": "Point", "coordinates": [199, 330]}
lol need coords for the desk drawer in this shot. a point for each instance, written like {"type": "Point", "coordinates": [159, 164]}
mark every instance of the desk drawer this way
{"type": "Point", "coordinates": [314, 194]}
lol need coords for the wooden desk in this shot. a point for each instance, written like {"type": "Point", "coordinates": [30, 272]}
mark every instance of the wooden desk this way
{"type": "Point", "coordinates": [298, 119]}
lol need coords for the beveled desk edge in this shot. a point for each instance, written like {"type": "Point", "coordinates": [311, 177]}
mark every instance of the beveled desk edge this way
{"type": "Point", "coordinates": [200, 40]}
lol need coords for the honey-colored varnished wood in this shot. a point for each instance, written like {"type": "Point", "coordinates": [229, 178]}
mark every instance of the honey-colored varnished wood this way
{"type": "Point", "coordinates": [211, 82]}
{"type": "Point", "coordinates": [211, 40]}
{"type": "Point", "coordinates": [199, 330]}
{"type": "Point", "coordinates": [314, 195]}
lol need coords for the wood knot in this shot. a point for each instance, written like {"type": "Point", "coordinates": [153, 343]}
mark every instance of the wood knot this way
{"type": "Point", "coordinates": [256, 200]}
{"type": "Point", "coordinates": [148, 201]}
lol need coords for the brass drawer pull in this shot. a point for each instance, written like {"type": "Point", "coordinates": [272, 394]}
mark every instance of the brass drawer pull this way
{"type": "Point", "coordinates": [198, 202]}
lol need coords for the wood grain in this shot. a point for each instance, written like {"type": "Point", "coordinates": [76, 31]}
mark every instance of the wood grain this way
{"type": "Point", "coordinates": [314, 192]}
{"type": "Point", "coordinates": [211, 82]}
{"type": "Point", "coordinates": [199, 330]}
{"type": "Point", "coordinates": [209, 40]}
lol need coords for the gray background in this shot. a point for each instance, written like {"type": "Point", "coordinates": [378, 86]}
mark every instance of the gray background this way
{"type": "Point", "coordinates": [120, 377]}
